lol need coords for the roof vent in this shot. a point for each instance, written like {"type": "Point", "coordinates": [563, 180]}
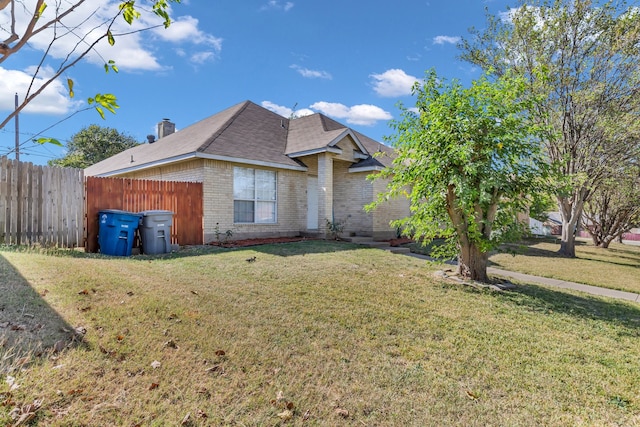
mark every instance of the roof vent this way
{"type": "Point", "coordinates": [151, 139]}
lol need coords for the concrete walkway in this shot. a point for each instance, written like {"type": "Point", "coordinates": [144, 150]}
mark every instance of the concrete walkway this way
{"type": "Point", "coordinates": [526, 278]}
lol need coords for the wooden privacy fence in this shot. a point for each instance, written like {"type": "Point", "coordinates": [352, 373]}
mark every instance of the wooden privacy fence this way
{"type": "Point", "coordinates": [184, 199]}
{"type": "Point", "coordinates": [40, 204]}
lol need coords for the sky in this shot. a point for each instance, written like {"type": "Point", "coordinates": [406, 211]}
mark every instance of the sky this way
{"type": "Point", "coordinates": [353, 61]}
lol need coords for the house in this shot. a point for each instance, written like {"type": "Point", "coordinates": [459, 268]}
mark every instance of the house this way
{"type": "Point", "coordinates": [265, 175]}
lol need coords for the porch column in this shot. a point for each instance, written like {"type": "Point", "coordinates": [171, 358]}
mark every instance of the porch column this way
{"type": "Point", "coordinates": [325, 190]}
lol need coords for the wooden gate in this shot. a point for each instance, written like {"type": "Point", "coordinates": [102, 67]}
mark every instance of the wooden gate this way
{"type": "Point", "coordinates": [184, 199]}
{"type": "Point", "coordinates": [40, 204]}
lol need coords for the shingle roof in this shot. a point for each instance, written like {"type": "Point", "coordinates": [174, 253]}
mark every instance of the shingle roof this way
{"type": "Point", "coordinates": [245, 132]}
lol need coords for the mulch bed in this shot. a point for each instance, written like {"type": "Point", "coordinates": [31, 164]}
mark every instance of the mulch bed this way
{"type": "Point", "coordinates": [400, 241]}
{"type": "Point", "coordinates": [256, 242]}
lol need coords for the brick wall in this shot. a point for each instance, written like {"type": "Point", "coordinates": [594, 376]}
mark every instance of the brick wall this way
{"type": "Point", "coordinates": [351, 192]}
{"type": "Point", "coordinates": [218, 203]}
{"type": "Point", "coordinates": [397, 208]}
{"type": "Point", "coordinates": [345, 196]}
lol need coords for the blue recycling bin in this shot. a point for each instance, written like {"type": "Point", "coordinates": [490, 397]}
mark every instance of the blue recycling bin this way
{"type": "Point", "coordinates": [117, 231]}
{"type": "Point", "coordinates": [155, 231]}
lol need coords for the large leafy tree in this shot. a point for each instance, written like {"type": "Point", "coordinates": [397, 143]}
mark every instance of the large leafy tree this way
{"type": "Point", "coordinates": [614, 207]}
{"type": "Point", "coordinates": [93, 144]}
{"type": "Point", "coordinates": [580, 59]}
{"type": "Point", "coordinates": [58, 22]}
{"type": "Point", "coordinates": [468, 159]}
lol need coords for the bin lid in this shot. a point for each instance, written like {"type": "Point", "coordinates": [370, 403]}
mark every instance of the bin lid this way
{"type": "Point", "coordinates": [155, 212]}
{"type": "Point", "coordinates": [117, 211]}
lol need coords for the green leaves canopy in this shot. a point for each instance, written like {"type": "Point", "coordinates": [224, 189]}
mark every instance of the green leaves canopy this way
{"type": "Point", "coordinates": [468, 159]}
{"type": "Point", "coordinates": [93, 144]}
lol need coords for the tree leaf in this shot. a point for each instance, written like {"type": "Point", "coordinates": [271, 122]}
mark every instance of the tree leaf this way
{"type": "Point", "coordinates": [110, 38]}
{"type": "Point", "coordinates": [41, 10]}
{"type": "Point", "coordinates": [70, 86]}
{"type": "Point", "coordinates": [48, 141]}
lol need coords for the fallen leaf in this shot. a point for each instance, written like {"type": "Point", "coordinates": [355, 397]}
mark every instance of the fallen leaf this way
{"type": "Point", "coordinates": [85, 309]}
{"type": "Point", "coordinates": [215, 368]}
{"type": "Point", "coordinates": [290, 405]}
{"type": "Point", "coordinates": [45, 292]}
{"type": "Point", "coordinates": [279, 396]}
{"type": "Point", "coordinates": [220, 353]}
{"type": "Point", "coordinates": [59, 346]}
{"type": "Point", "coordinates": [201, 414]}
{"type": "Point", "coordinates": [26, 413]}
{"type": "Point", "coordinates": [153, 386]}
{"type": "Point", "coordinates": [83, 292]}
{"type": "Point", "coordinates": [80, 330]}
{"type": "Point", "coordinates": [285, 415]}
{"type": "Point", "coordinates": [342, 412]}
{"type": "Point", "coordinates": [171, 344]}
{"type": "Point", "coordinates": [120, 337]}
{"type": "Point", "coordinates": [195, 292]}
{"type": "Point", "coordinates": [155, 364]}
{"type": "Point", "coordinates": [130, 293]}
{"type": "Point", "coordinates": [186, 420]}
{"type": "Point", "coordinates": [471, 395]}
{"type": "Point", "coordinates": [306, 416]}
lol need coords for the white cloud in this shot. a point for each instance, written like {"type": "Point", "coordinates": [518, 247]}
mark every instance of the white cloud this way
{"type": "Point", "coordinates": [202, 57]}
{"type": "Point", "coordinates": [446, 39]}
{"type": "Point", "coordinates": [53, 100]}
{"type": "Point", "coordinates": [185, 29]}
{"type": "Point", "coordinates": [393, 83]}
{"type": "Point", "coordinates": [311, 74]}
{"type": "Point", "coordinates": [134, 50]}
{"type": "Point", "coordinates": [286, 111]}
{"type": "Point", "coordinates": [363, 114]}
{"type": "Point", "coordinates": [278, 5]}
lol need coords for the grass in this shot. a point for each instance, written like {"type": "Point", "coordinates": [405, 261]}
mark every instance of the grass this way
{"type": "Point", "coordinates": [617, 267]}
{"type": "Point", "coordinates": [314, 333]}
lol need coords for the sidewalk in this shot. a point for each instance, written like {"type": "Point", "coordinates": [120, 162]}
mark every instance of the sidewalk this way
{"type": "Point", "coordinates": [527, 278]}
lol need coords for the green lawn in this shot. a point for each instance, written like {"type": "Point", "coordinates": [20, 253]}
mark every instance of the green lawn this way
{"type": "Point", "coordinates": [312, 333]}
{"type": "Point", "coordinates": [617, 267]}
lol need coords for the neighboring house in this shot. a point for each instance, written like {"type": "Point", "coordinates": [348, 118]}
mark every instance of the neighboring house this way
{"type": "Point", "coordinates": [552, 226]}
{"type": "Point", "coordinates": [266, 176]}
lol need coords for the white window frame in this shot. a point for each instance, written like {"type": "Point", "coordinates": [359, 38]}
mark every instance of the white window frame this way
{"type": "Point", "coordinates": [238, 171]}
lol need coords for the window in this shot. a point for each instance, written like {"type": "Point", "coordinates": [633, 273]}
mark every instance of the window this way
{"type": "Point", "coordinates": [254, 195]}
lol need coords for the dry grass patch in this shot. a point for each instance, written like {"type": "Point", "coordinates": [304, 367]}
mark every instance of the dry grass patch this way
{"type": "Point", "coordinates": [319, 333]}
{"type": "Point", "coordinates": [617, 267]}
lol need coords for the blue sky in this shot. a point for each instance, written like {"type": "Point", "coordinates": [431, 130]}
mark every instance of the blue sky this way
{"type": "Point", "coordinates": [351, 60]}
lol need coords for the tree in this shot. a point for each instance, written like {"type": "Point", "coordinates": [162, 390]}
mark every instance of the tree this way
{"type": "Point", "coordinates": [52, 22]}
{"type": "Point", "coordinates": [614, 207]}
{"type": "Point", "coordinates": [467, 159]}
{"type": "Point", "coordinates": [92, 145]}
{"type": "Point", "coordinates": [581, 62]}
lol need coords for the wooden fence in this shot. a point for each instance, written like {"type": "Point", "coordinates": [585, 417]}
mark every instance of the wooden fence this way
{"type": "Point", "coordinates": [40, 204]}
{"type": "Point", "coordinates": [184, 199]}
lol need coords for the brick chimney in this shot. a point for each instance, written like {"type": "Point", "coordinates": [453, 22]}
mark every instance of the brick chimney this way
{"type": "Point", "coordinates": [165, 127]}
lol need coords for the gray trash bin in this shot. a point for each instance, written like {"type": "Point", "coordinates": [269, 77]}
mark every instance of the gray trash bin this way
{"type": "Point", "coordinates": [155, 231]}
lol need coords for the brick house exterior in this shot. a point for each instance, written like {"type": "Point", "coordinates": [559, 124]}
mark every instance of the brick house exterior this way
{"type": "Point", "coordinates": [267, 176]}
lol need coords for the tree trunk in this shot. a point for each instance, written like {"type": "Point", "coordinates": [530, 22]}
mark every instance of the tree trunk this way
{"type": "Point", "coordinates": [472, 264]}
{"type": "Point", "coordinates": [568, 240]}
{"type": "Point", "coordinates": [570, 211]}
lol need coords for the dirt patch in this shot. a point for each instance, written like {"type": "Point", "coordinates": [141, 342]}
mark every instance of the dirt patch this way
{"type": "Point", "coordinates": [256, 242]}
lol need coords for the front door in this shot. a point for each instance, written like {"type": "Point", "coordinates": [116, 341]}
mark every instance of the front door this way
{"type": "Point", "coordinates": [312, 203]}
